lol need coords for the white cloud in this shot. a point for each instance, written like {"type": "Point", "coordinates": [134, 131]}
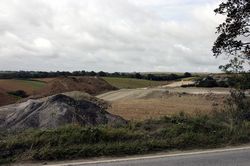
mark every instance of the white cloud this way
{"type": "Point", "coordinates": [109, 35]}
{"type": "Point", "coordinates": [183, 48]}
{"type": "Point", "coordinates": [42, 43]}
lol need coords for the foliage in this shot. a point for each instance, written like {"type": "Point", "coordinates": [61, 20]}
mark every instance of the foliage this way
{"type": "Point", "coordinates": [40, 74]}
{"type": "Point", "coordinates": [177, 132]}
{"type": "Point", "coordinates": [18, 93]}
{"type": "Point", "coordinates": [234, 34]}
{"type": "Point", "coordinates": [207, 82]}
{"type": "Point", "coordinates": [233, 40]}
{"type": "Point", "coordinates": [187, 74]}
{"type": "Point", "coordinates": [236, 111]}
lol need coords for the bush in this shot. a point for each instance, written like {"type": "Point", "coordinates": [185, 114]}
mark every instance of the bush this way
{"type": "Point", "coordinates": [19, 93]}
{"type": "Point", "coordinates": [177, 132]}
{"type": "Point", "coordinates": [186, 74]}
{"type": "Point", "coordinates": [236, 110]}
{"type": "Point", "coordinates": [207, 82]}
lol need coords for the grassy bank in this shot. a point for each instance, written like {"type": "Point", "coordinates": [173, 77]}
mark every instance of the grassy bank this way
{"type": "Point", "coordinates": [70, 142]}
{"type": "Point", "coordinates": [131, 83]}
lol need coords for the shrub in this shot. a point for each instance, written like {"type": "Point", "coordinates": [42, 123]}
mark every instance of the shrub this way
{"type": "Point", "coordinates": [207, 82]}
{"type": "Point", "coordinates": [236, 110]}
{"type": "Point", "coordinates": [18, 93]}
{"type": "Point", "coordinates": [180, 131]}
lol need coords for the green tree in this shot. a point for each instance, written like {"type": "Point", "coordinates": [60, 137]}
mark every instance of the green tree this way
{"type": "Point", "coordinates": [138, 76]}
{"type": "Point", "coordinates": [102, 74]}
{"type": "Point", "coordinates": [187, 74]}
{"type": "Point", "coordinates": [234, 41]}
{"type": "Point", "coordinates": [234, 34]}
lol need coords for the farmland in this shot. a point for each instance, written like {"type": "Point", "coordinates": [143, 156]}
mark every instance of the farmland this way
{"type": "Point", "coordinates": [131, 83]}
{"type": "Point", "coordinates": [26, 85]}
{"type": "Point", "coordinates": [151, 103]}
{"type": "Point", "coordinates": [137, 100]}
{"type": "Point", "coordinates": [122, 83]}
{"type": "Point", "coordinates": [143, 109]}
{"type": "Point", "coordinates": [9, 88]}
{"type": "Point", "coordinates": [156, 116]}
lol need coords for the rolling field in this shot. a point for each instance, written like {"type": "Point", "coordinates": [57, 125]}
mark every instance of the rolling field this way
{"type": "Point", "coordinates": [151, 103]}
{"type": "Point", "coordinates": [45, 80]}
{"type": "Point", "coordinates": [142, 109]}
{"type": "Point", "coordinates": [137, 104]}
{"type": "Point", "coordinates": [26, 85]}
{"type": "Point", "coordinates": [131, 83]}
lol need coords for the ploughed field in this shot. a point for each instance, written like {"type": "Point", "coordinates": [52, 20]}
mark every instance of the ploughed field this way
{"type": "Point", "coordinates": [49, 86]}
{"type": "Point", "coordinates": [29, 86]}
{"type": "Point", "coordinates": [12, 85]}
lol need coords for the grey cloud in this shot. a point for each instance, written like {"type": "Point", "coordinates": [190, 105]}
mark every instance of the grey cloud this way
{"type": "Point", "coordinates": [109, 35]}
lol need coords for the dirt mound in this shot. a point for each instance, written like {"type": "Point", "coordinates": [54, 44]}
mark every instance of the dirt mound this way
{"type": "Point", "coordinates": [91, 85]}
{"type": "Point", "coordinates": [5, 98]}
{"type": "Point", "coordinates": [58, 110]}
{"type": "Point", "coordinates": [77, 95]}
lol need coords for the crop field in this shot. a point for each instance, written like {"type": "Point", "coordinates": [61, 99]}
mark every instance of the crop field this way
{"type": "Point", "coordinates": [151, 103]}
{"type": "Point", "coordinates": [131, 83]}
{"type": "Point", "coordinates": [151, 108]}
{"type": "Point", "coordinates": [26, 85]}
{"type": "Point", "coordinates": [45, 80]}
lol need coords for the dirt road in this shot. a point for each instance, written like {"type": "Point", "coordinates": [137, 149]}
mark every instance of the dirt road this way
{"type": "Point", "coordinates": [179, 84]}
{"type": "Point", "coordinates": [145, 93]}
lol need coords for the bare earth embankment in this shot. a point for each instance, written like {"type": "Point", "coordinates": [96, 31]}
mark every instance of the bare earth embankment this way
{"type": "Point", "coordinates": [91, 85]}
{"type": "Point", "coordinates": [146, 103]}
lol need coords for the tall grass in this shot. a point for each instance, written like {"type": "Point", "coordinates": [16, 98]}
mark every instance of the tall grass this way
{"type": "Point", "coordinates": [177, 132]}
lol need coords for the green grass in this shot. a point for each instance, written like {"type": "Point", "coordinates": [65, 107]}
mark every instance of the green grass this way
{"type": "Point", "coordinates": [179, 132]}
{"type": "Point", "coordinates": [190, 79]}
{"type": "Point", "coordinates": [33, 83]}
{"type": "Point", "coordinates": [131, 83]}
{"type": "Point", "coordinates": [16, 97]}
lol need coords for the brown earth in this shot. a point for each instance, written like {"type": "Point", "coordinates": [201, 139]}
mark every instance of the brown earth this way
{"type": "Point", "coordinates": [91, 85]}
{"type": "Point", "coordinates": [141, 104]}
{"type": "Point", "coordinates": [45, 79]}
{"type": "Point", "coordinates": [141, 109]}
{"type": "Point", "coordinates": [5, 98]}
{"type": "Point", "coordinates": [14, 85]}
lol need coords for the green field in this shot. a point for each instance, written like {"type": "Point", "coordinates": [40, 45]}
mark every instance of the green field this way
{"type": "Point", "coordinates": [190, 79]}
{"type": "Point", "coordinates": [33, 83]}
{"type": "Point", "coordinates": [26, 85]}
{"type": "Point", "coordinates": [131, 83]}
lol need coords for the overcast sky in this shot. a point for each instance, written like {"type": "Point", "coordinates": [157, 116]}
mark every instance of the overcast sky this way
{"type": "Point", "coordinates": [108, 35]}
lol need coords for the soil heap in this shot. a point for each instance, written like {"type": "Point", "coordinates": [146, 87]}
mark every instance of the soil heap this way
{"type": "Point", "coordinates": [91, 85]}
{"type": "Point", "coordinates": [58, 110]}
{"type": "Point", "coordinates": [5, 98]}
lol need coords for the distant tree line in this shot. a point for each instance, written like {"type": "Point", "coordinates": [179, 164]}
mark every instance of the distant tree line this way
{"type": "Point", "coordinates": [209, 81]}
{"type": "Point", "coordinates": [42, 74]}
